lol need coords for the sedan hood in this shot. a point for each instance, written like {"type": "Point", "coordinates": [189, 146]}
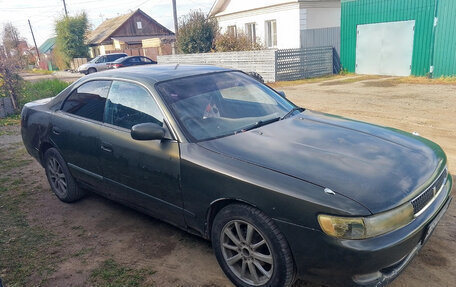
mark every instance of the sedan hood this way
{"type": "Point", "coordinates": [376, 166]}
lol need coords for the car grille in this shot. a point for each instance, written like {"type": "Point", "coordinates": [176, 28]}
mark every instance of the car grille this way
{"type": "Point", "coordinates": [426, 196]}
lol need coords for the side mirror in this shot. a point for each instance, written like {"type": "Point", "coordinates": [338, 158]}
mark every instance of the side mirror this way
{"type": "Point", "coordinates": [282, 93]}
{"type": "Point", "coordinates": [147, 132]}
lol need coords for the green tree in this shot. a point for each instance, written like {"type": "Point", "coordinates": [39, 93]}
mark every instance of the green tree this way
{"type": "Point", "coordinates": [71, 32]}
{"type": "Point", "coordinates": [196, 33]}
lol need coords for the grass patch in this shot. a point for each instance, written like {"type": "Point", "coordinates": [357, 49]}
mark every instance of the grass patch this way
{"type": "Point", "coordinates": [25, 251]}
{"type": "Point", "coordinates": [426, 81]}
{"type": "Point", "coordinates": [10, 120]}
{"type": "Point", "coordinates": [112, 274]}
{"type": "Point", "coordinates": [33, 91]}
{"type": "Point", "coordinates": [40, 72]}
{"type": "Point", "coordinates": [351, 80]}
{"type": "Point", "coordinates": [275, 85]}
{"type": "Point", "coordinates": [392, 82]}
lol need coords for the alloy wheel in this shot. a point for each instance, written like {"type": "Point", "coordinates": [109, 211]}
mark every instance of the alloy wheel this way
{"type": "Point", "coordinates": [246, 252]}
{"type": "Point", "coordinates": [57, 176]}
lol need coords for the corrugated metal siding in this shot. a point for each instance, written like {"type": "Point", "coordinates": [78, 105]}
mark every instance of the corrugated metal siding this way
{"type": "Point", "coordinates": [445, 39]}
{"type": "Point", "coordinates": [358, 12]}
{"type": "Point", "coordinates": [322, 37]}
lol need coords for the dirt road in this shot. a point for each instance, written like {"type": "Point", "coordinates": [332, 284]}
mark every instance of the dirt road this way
{"type": "Point", "coordinates": [95, 241]}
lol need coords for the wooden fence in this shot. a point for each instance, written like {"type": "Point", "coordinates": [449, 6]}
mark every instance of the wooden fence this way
{"type": "Point", "coordinates": [6, 107]}
{"type": "Point", "coordinates": [152, 52]}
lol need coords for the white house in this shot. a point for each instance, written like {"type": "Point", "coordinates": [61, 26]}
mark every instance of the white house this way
{"type": "Point", "coordinates": [280, 24]}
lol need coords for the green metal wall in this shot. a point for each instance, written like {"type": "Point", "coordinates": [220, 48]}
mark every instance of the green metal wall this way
{"type": "Point", "coordinates": [358, 12]}
{"type": "Point", "coordinates": [445, 39]}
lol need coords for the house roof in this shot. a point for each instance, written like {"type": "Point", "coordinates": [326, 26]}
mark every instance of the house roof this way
{"type": "Point", "coordinates": [108, 27]}
{"type": "Point", "coordinates": [47, 46]}
{"type": "Point", "coordinates": [237, 6]}
{"type": "Point", "coordinates": [102, 32]}
{"type": "Point", "coordinates": [224, 7]}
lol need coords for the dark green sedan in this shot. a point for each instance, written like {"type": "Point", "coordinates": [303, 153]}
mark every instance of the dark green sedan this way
{"type": "Point", "coordinates": [282, 192]}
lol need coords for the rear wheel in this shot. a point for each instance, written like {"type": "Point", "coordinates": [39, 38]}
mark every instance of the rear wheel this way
{"type": "Point", "coordinates": [250, 249]}
{"type": "Point", "coordinates": [59, 177]}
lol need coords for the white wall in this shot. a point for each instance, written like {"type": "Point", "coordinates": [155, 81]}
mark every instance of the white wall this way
{"type": "Point", "coordinates": [288, 27]}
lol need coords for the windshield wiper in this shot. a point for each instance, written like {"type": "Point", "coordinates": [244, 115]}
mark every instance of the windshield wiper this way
{"type": "Point", "coordinates": [291, 112]}
{"type": "Point", "coordinates": [258, 124]}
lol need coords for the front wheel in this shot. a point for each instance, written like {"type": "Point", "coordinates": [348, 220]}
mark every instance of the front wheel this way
{"type": "Point", "coordinates": [250, 249]}
{"type": "Point", "coordinates": [62, 183]}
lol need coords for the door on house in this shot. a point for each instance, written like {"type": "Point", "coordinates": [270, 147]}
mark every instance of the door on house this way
{"type": "Point", "coordinates": [385, 48]}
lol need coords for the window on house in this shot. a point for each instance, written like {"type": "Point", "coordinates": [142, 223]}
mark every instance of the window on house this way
{"type": "Point", "coordinates": [139, 25]}
{"type": "Point", "coordinates": [271, 33]}
{"type": "Point", "coordinates": [250, 31]}
{"type": "Point", "coordinates": [232, 30]}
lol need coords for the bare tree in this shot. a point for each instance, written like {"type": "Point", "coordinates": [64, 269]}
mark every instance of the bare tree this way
{"type": "Point", "coordinates": [11, 40]}
{"type": "Point", "coordinates": [11, 61]}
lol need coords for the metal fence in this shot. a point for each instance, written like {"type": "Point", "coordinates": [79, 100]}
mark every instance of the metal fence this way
{"type": "Point", "coordinates": [323, 37]}
{"type": "Point", "coordinates": [261, 61]}
{"type": "Point", "coordinates": [295, 64]}
{"type": "Point", "coordinates": [272, 65]}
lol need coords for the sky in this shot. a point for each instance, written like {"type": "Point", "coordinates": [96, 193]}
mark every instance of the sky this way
{"type": "Point", "coordinates": [44, 13]}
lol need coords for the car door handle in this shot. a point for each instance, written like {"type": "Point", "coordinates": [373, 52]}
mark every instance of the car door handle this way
{"type": "Point", "coordinates": [55, 130]}
{"type": "Point", "coordinates": [106, 147]}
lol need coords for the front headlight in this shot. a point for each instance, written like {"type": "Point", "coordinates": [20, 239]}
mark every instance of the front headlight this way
{"type": "Point", "coordinates": [366, 227]}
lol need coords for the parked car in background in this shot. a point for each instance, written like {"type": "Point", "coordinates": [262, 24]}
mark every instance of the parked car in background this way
{"type": "Point", "coordinates": [99, 63]}
{"type": "Point", "coordinates": [130, 61]}
{"type": "Point", "coordinates": [281, 191]}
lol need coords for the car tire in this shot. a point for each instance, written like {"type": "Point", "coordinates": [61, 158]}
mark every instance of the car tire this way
{"type": "Point", "coordinates": [250, 249]}
{"type": "Point", "coordinates": [60, 179]}
{"type": "Point", "coordinates": [91, 70]}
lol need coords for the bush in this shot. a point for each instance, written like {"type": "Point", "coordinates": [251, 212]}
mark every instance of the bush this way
{"type": "Point", "coordinates": [33, 91]}
{"type": "Point", "coordinates": [196, 33]}
{"type": "Point", "coordinates": [228, 42]}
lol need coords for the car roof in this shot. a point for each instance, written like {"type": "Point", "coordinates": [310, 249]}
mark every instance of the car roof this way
{"type": "Point", "coordinates": [129, 57]}
{"type": "Point", "coordinates": [152, 74]}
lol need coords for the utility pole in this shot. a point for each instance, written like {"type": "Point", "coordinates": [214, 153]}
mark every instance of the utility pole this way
{"type": "Point", "coordinates": [64, 6]}
{"type": "Point", "coordinates": [33, 36]}
{"type": "Point", "coordinates": [175, 16]}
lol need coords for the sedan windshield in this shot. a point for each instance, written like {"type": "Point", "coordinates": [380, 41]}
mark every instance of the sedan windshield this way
{"type": "Point", "coordinates": [221, 104]}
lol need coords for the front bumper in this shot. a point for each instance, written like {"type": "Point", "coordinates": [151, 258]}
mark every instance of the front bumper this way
{"type": "Point", "coordinates": [370, 262]}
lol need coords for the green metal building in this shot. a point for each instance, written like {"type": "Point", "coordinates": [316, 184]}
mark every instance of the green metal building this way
{"type": "Point", "coordinates": [399, 37]}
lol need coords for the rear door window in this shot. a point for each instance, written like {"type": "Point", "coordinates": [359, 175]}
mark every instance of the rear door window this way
{"type": "Point", "coordinates": [130, 104]}
{"type": "Point", "coordinates": [146, 60]}
{"type": "Point", "coordinates": [134, 60]}
{"type": "Point", "coordinates": [88, 100]}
